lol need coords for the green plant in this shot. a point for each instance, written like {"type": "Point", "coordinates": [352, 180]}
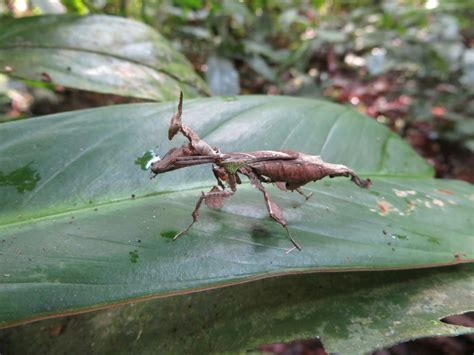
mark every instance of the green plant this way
{"type": "Point", "coordinates": [93, 211]}
{"type": "Point", "coordinates": [82, 228]}
{"type": "Point", "coordinates": [90, 53]}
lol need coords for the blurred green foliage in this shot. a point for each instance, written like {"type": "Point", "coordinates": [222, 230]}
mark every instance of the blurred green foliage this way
{"type": "Point", "coordinates": [425, 49]}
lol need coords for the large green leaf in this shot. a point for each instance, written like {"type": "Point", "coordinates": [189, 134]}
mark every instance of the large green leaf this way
{"type": "Point", "coordinates": [95, 155]}
{"type": "Point", "coordinates": [73, 236]}
{"type": "Point", "coordinates": [352, 313]}
{"type": "Point", "coordinates": [92, 53]}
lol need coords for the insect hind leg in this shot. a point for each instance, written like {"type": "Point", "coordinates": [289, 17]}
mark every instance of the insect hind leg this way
{"type": "Point", "coordinates": [306, 196]}
{"type": "Point", "coordinates": [273, 210]}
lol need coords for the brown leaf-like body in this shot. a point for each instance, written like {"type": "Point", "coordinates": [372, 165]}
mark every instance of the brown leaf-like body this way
{"type": "Point", "coordinates": [287, 169]}
{"type": "Point", "coordinates": [298, 169]}
{"type": "Point", "coordinates": [296, 172]}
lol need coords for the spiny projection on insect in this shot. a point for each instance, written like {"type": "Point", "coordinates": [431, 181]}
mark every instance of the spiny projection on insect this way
{"type": "Point", "coordinates": [288, 170]}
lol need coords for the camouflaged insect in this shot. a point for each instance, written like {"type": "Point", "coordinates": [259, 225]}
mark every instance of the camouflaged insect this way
{"type": "Point", "coordinates": [288, 170]}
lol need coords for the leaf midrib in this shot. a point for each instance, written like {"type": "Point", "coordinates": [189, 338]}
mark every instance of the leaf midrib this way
{"type": "Point", "coordinates": [41, 217]}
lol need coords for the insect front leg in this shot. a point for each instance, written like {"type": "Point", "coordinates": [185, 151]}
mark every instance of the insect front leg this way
{"type": "Point", "coordinates": [215, 198]}
{"type": "Point", "coordinates": [273, 210]}
{"type": "Point", "coordinates": [220, 175]}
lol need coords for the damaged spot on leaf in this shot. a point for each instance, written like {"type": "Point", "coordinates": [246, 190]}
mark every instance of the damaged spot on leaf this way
{"type": "Point", "coordinates": [385, 207]}
{"type": "Point", "coordinates": [401, 193]}
{"type": "Point", "coordinates": [438, 202]}
{"type": "Point", "coordinates": [410, 207]}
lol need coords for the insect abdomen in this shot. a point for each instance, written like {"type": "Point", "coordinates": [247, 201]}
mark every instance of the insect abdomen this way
{"type": "Point", "coordinates": [294, 172]}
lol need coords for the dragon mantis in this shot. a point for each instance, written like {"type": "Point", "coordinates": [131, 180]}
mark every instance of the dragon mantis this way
{"type": "Point", "coordinates": [288, 170]}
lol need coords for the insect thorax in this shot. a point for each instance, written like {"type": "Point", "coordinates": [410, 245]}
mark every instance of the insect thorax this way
{"type": "Point", "coordinates": [232, 167]}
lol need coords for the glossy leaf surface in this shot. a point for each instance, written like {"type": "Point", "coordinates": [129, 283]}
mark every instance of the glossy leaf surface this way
{"type": "Point", "coordinates": [352, 313]}
{"type": "Point", "coordinates": [82, 226]}
{"type": "Point", "coordinates": [91, 53]}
